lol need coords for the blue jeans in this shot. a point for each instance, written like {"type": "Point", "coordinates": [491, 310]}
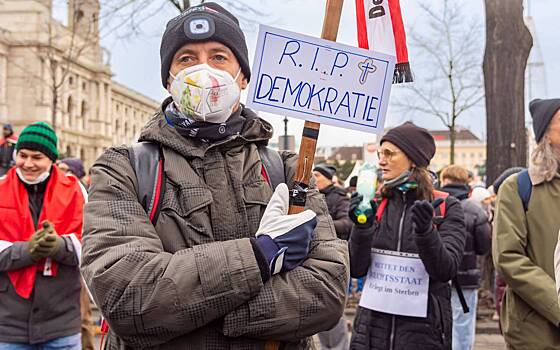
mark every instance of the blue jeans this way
{"type": "Point", "coordinates": [73, 342]}
{"type": "Point", "coordinates": [464, 324]}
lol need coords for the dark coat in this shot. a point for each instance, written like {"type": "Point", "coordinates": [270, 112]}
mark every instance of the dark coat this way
{"type": "Point", "coordinates": [479, 236]}
{"type": "Point", "coordinates": [338, 202]}
{"type": "Point", "coordinates": [192, 282]}
{"type": "Point", "coordinates": [441, 251]}
{"type": "Point", "coordinates": [7, 154]}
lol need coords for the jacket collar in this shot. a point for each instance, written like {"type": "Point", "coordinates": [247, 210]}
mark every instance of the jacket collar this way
{"type": "Point", "coordinates": [458, 191]}
{"type": "Point", "coordinates": [255, 130]}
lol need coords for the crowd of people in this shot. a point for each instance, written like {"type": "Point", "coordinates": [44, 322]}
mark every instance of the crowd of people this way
{"type": "Point", "coordinates": [187, 241]}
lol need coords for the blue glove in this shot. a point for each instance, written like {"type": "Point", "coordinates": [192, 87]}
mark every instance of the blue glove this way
{"type": "Point", "coordinates": [284, 239]}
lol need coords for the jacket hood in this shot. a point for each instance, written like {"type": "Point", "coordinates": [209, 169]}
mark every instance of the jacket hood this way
{"type": "Point", "coordinates": [458, 191]}
{"type": "Point", "coordinates": [158, 130]}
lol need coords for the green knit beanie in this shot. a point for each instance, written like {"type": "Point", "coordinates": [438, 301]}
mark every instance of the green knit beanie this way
{"type": "Point", "coordinates": [39, 136]}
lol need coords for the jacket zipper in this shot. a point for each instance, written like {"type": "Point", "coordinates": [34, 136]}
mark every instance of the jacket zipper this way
{"type": "Point", "coordinates": [399, 239]}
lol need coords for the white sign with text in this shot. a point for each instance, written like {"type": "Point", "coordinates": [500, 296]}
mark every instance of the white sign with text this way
{"type": "Point", "coordinates": [397, 283]}
{"type": "Point", "coordinates": [320, 80]}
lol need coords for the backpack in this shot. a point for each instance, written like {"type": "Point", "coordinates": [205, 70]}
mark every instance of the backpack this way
{"type": "Point", "coordinates": [147, 156]}
{"type": "Point", "coordinates": [524, 187]}
{"type": "Point", "coordinates": [439, 215]}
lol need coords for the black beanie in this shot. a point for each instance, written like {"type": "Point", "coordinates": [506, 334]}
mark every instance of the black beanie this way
{"type": "Point", "coordinates": [415, 142]}
{"type": "Point", "coordinates": [542, 112]}
{"type": "Point", "coordinates": [205, 22]}
{"type": "Point", "coordinates": [327, 171]}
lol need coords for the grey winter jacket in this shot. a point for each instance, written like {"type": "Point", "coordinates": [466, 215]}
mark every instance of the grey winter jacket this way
{"type": "Point", "coordinates": [52, 311]}
{"type": "Point", "coordinates": [192, 282]}
{"type": "Point", "coordinates": [478, 240]}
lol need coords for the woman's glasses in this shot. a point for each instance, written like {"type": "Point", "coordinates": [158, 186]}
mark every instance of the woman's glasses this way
{"type": "Point", "coordinates": [386, 153]}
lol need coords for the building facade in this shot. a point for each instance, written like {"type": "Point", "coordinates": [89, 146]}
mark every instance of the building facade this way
{"type": "Point", "coordinates": [56, 73]}
{"type": "Point", "coordinates": [470, 151]}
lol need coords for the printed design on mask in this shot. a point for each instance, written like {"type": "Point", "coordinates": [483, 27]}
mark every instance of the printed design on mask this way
{"type": "Point", "coordinates": [205, 94]}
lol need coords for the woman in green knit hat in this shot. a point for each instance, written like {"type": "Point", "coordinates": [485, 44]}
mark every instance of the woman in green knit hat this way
{"type": "Point", "coordinates": [40, 231]}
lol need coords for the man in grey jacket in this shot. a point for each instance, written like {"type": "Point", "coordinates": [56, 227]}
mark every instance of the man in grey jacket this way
{"type": "Point", "coordinates": [454, 180]}
{"type": "Point", "coordinates": [224, 266]}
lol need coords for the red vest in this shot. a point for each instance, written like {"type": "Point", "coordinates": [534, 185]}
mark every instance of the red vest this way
{"type": "Point", "coordinates": [62, 205]}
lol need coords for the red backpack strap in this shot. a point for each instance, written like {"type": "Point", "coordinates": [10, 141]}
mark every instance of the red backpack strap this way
{"type": "Point", "coordinates": [442, 206]}
{"type": "Point", "coordinates": [381, 208]}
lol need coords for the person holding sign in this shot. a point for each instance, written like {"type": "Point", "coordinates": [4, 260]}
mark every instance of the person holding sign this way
{"type": "Point", "coordinates": [221, 264]}
{"type": "Point", "coordinates": [409, 251]}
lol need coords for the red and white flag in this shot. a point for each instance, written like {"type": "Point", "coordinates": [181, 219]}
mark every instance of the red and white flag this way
{"type": "Point", "coordinates": [381, 29]}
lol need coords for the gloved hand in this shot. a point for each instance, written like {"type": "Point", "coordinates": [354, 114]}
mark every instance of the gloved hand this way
{"type": "Point", "coordinates": [33, 243]}
{"type": "Point", "coordinates": [422, 216]}
{"type": "Point", "coordinates": [353, 211]}
{"type": "Point", "coordinates": [284, 239]}
{"type": "Point", "coordinates": [49, 244]}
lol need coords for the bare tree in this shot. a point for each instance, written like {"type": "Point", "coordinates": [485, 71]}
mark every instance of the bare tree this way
{"type": "Point", "coordinates": [64, 47]}
{"type": "Point", "coordinates": [508, 44]}
{"type": "Point", "coordinates": [59, 48]}
{"type": "Point", "coordinates": [127, 16]}
{"type": "Point", "coordinates": [450, 81]}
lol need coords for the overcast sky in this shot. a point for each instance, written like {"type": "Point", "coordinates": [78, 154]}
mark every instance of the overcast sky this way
{"type": "Point", "coordinates": [135, 62]}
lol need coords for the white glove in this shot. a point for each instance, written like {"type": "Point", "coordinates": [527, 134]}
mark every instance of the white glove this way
{"type": "Point", "coordinates": [284, 239]}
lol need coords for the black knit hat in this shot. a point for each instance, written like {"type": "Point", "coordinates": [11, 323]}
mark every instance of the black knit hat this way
{"type": "Point", "coordinates": [205, 22]}
{"type": "Point", "coordinates": [327, 171]}
{"type": "Point", "coordinates": [542, 112]}
{"type": "Point", "coordinates": [414, 141]}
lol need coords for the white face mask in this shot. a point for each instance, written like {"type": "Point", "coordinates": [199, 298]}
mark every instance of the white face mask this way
{"type": "Point", "coordinates": [205, 94]}
{"type": "Point", "coordinates": [38, 180]}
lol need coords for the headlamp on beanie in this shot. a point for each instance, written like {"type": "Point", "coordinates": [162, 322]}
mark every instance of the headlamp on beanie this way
{"type": "Point", "coordinates": [207, 22]}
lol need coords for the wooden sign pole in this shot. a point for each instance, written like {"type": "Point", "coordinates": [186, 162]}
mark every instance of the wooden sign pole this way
{"type": "Point", "coordinates": [310, 134]}
{"type": "Point", "coordinates": [311, 129]}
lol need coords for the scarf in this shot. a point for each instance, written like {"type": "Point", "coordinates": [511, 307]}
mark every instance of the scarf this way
{"type": "Point", "coordinates": [62, 205]}
{"type": "Point", "coordinates": [402, 182]}
{"type": "Point", "coordinates": [381, 29]}
{"type": "Point", "coordinates": [205, 131]}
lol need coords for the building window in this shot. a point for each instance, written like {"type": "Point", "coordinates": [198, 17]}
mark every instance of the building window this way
{"type": "Point", "coordinates": [70, 105]}
{"type": "Point", "coordinates": [84, 86]}
{"type": "Point", "coordinates": [70, 81]}
{"type": "Point", "coordinates": [84, 109]}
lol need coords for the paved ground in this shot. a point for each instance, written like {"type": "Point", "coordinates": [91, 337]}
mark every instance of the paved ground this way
{"type": "Point", "coordinates": [489, 342]}
{"type": "Point", "coordinates": [483, 342]}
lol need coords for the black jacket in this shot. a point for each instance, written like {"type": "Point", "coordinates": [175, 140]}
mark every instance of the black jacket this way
{"type": "Point", "coordinates": [479, 236]}
{"type": "Point", "coordinates": [441, 251]}
{"type": "Point", "coordinates": [338, 202]}
{"type": "Point", "coordinates": [6, 156]}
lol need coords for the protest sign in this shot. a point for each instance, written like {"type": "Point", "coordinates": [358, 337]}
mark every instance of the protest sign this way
{"type": "Point", "coordinates": [397, 283]}
{"type": "Point", "coordinates": [321, 81]}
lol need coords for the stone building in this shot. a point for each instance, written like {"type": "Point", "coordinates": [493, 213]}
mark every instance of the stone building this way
{"type": "Point", "coordinates": [49, 68]}
{"type": "Point", "coordinates": [470, 151]}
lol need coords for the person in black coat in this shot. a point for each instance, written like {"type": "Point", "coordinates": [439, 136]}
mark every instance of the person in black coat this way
{"type": "Point", "coordinates": [405, 227]}
{"type": "Point", "coordinates": [454, 180]}
{"type": "Point", "coordinates": [336, 198]}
